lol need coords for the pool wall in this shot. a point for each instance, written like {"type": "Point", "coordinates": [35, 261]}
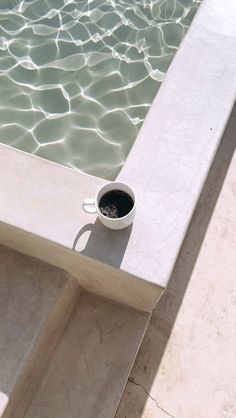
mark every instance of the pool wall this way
{"type": "Point", "coordinates": [41, 202]}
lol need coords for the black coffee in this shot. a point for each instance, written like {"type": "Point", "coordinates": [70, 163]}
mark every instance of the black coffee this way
{"type": "Point", "coordinates": [115, 204]}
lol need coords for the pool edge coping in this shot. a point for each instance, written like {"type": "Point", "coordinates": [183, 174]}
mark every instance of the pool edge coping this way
{"type": "Point", "coordinates": [59, 220]}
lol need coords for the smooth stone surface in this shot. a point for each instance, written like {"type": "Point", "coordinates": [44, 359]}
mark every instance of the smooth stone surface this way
{"type": "Point", "coordinates": [175, 147]}
{"type": "Point", "coordinates": [28, 292]}
{"type": "Point", "coordinates": [90, 366]}
{"type": "Point", "coordinates": [37, 363]}
{"type": "Point", "coordinates": [41, 214]}
{"type": "Point", "coordinates": [186, 366]}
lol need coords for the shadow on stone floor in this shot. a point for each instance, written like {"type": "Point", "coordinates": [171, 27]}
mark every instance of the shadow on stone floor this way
{"type": "Point", "coordinates": [162, 321]}
{"type": "Point", "coordinates": [114, 243]}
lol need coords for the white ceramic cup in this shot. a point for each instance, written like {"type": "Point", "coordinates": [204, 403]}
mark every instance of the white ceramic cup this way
{"type": "Point", "coordinates": [92, 206]}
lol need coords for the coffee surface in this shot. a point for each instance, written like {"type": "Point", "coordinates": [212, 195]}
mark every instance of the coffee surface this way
{"type": "Point", "coordinates": [115, 204]}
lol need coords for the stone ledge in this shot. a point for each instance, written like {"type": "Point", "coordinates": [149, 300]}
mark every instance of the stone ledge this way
{"type": "Point", "coordinates": [40, 209]}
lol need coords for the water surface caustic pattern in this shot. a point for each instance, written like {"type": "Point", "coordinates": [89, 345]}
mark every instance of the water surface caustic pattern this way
{"type": "Point", "coordinates": [77, 77]}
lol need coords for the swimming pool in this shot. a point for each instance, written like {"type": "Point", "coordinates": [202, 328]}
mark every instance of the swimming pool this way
{"type": "Point", "coordinates": [78, 77]}
{"type": "Point", "coordinates": [41, 202]}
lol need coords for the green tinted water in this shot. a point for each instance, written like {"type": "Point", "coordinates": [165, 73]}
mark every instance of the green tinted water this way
{"type": "Point", "coordinates": [78, 77]}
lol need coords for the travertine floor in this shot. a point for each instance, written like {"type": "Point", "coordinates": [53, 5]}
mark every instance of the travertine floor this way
{"type": "Point", "coordinates": [186, 367]}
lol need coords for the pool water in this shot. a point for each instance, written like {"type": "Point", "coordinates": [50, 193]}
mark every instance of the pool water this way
{"type": "Point", "coordinates": [77, 77]}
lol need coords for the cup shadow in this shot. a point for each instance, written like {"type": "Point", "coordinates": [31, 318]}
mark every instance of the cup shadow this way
{"type": "Point", "coordinates": [105, 245]}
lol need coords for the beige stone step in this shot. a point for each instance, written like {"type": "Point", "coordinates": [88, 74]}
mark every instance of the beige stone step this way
{"type": "Point", "coordinates": [90, 366]}
{"type": "Point", "coordinates": [36, 301]}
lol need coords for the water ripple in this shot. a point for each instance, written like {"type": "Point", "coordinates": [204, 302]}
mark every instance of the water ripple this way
{"type": "Point", "coordinates": [77, 78]}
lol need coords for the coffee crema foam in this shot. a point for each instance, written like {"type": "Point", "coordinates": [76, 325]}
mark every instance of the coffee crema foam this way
{"type": "Point", "coordinates": [78, 77]}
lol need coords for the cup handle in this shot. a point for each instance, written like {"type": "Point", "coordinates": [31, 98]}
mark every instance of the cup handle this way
{"type": "Point", "coordinates": [88, 206]}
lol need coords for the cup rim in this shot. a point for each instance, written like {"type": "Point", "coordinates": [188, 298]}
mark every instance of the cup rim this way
{"type": "Point", "coordinates": [122, 217]}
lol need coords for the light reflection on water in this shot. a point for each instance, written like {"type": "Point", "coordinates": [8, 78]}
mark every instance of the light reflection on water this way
{"type": "Point", "coordinates": [77, 77]}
